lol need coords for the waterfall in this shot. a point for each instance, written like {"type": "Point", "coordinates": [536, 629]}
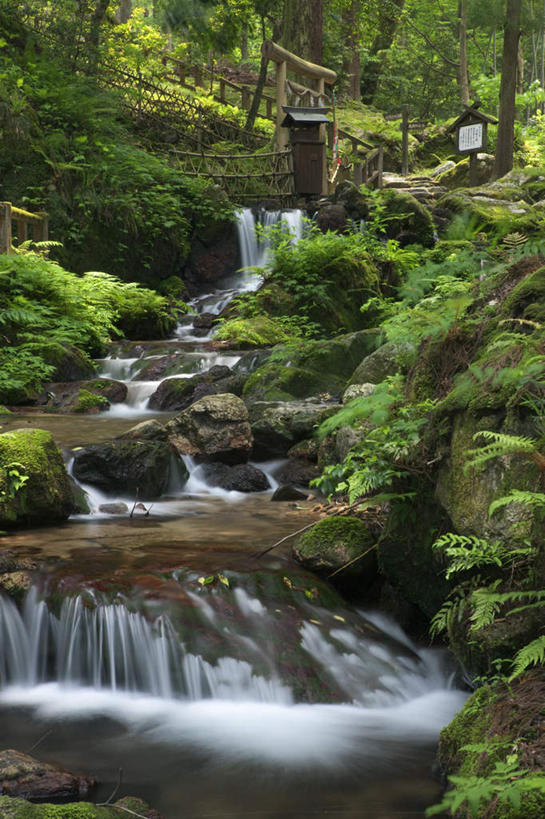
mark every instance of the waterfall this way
{"type": "Point", "coordinates": [254, 235]}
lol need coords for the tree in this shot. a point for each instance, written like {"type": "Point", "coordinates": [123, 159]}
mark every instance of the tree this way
{"type": "Point", "coordinates": [302, 29]}
{"type": "Point", "coordinates": [506, 127]}
{"type": "Point", "coordinates": [352, 38]}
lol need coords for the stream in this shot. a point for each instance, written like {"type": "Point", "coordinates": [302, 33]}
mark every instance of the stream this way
{"type": "Point", "coordinates": [223, 684]}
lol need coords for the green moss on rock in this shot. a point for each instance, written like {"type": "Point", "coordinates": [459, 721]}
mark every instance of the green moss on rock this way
{"type": "Point", "coordinates": [88, 402]}
{"type": "Point", "coordinates": [46, 496]}
{"type": "Point", "coordinates": [334, 542]}
{"type": "Point", "coordinates": [411, 222]}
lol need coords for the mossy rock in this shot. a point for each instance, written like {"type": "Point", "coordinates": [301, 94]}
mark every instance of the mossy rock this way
{"type": "Point", "coordinates": [11, 808]}
{"type": "Point", "coordinates": [46, 495]}
{"type": "Point", "coordinates": [458, 176]}
{"type": "Point", "coordinates": [488, 213]}
{"type": "Point", "coordinates": [392, 358]}
{"type": "Point", "coordinates": [5, 410]}
{"type": "Point", "coordinates": [309, 369]}
{"type": "Point", "coordinates": [333, 543]}
{"type": "Point", "coordinates": [411, 222]}
{"type": "Point", "coordinates": [70, 363]}
{"type": "Point", "coordinates": [259, 331]}
{"type": "Point", "coordinates": [89, 402]}
{"type": "Point", "coordinates": [527, 300]}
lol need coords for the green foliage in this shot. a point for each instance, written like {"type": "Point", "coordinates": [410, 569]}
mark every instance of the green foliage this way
{"type": "Point", "coordinates": [508, 783]}
{"type": "Point", "coordinates": [499, 445]}
{"type": "Point", "coordinates": [388, 450]}
{"type": "Point", "coordinates": [466, 552]}
{"type": "Point", "coordinates": [15, 478]}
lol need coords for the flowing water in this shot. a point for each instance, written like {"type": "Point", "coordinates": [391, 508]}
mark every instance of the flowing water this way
{"type": "Point", "coordinates": [223, 684]}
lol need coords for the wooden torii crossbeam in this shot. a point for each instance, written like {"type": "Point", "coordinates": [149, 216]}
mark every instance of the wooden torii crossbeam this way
{"type": "Point", "coordinates": [284, 60]}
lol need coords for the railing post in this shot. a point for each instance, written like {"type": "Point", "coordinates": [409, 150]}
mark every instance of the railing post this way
{"type": "Point", "coordinates": [380, 166]}
{"type": "Point", "coordinates": [281, 133]}
{"type": "Point", "coordinates": [269, 109]}
{"type": "Point", "coordinates": [222, 90]}
{"type": "Point", "coordinates": [22, 230]}
{"type": "Point", "coordinates": [358, 171]}
{"type": "Point", "coordinates": [41, 228]}
{"type": "Point", "coordinates": [5, 227]}
{"type": "Point", "coordinates": [197, 75]}
{"type": "Point", "coordinates": [246, 98]}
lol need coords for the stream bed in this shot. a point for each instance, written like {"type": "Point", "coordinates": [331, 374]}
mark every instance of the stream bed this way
{"type": "Point", "coordinates": [222, 683]}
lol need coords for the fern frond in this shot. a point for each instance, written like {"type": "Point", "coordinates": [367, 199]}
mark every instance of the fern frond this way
{"type": "Point", "coordinates": [531, 654]}
{"type": "Point", "coordinates": [530, 499]}
{"type": "Point", "coordinates": [499, 444]}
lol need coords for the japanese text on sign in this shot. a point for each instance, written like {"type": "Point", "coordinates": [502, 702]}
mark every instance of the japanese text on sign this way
{"type": "Point", "coordinates": [470, 137]}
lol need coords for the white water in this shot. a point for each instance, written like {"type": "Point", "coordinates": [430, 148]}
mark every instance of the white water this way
{"type": "Point", "coordinates": [105, 660]}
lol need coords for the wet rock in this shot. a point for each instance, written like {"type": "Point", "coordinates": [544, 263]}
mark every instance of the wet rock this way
{"type": "Point", "coordinates": [242, 477]}
{"type": "Point", "coordinates": [22, 775]}
{"type": "Point", "coordinates": [214, 428]}
{"type": "Point", "coordinates": [355, 203]}
{"type": "Point", "coordinates": [113, 508]}
{"type": "Point", "coordinates": [39, 490]}
{"type": "Point", "coordinates": [333, 543]}
{"type": "Point", "coordinates": [151, 430]}
{"type": "Point", "coordinates": [412, 222]}
{"type": "Point", "coordinates": [277, 426]}
{"type": "Point", "coordinates": [357, 391]}
{"type": "Point", "coordinates": [70, 363]}
{"type": "Point", "coordinates": [332, 217]}
{"type": "Point", "coordinates": [16, 584]}
{"type": "Point", "coordinates": [180, 393]}
{"type": "Point", "coordinates": [446, 166]}
{"type": "Point", "coordinates": [81, 503]}
{"type": "Point", "coordinates": [251, 360]}
{"type": "Point", "coordinates": [204, 321]}
{"type": "Point", "coordinates": [140, 468]}
{"type": "Point", "coordinates": [288, 493]}
{"type": "Point", "coordinates": [298, 471]}
{"type": "Point", "coordinates": [87, 397]}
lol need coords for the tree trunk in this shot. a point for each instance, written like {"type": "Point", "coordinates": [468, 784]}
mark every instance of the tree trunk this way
{"type": "Point", "coordinates": [244, 44]}
{"type": "Point", "coordinates": [463, 70]}
{"type": "Point", "coordinates": [520, 69]}
{"type": "Point", "coordinates": [258, 93]}
{"type": "Point", "coordinates": [506, 127]}
{"type": "Point", "coordinates": [93, 38]}
{"type": "Point", "coordinates": [373, 67]}
{"type": "Point", "coordinates": [302, 29]}
{"type": "Point", "coordinates": [124, 11]}
{"type": "Point", "coordinates": [352, 63]}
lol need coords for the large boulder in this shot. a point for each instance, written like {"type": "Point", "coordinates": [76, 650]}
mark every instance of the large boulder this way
{"type": "Point", "coordinates": [70, 363]}
{"type": "Point", "coordinates": [152, 430]}
{"type": "Point", "coordinates": [22, 775]}
{"type": "Point", "coordinates": [34, 485]}
{"type": "Point", "coordinates": [393, 357]}
{"type": "Point", "coordinates": [138, 468]}
{"type": "Point", "coordinates": [178, 393]}
{"type": "Point", "coordinates": [277, 426]}
{"type": "Point", "coordinates": [240, 478]}
{"type": "Point", "coordinates": [87, 397]}
{"type": "Point", "coordinates": [339, 542]}
{"type": "Point", "coordinates": [214, 428]}
{"type": "Point", "coordinates": [408, 220]}
{"type": "Point", "coordinates": [314, 369]}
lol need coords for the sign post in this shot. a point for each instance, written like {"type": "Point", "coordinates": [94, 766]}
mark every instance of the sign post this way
{"type": "Point", "coordinates": [471, 129]}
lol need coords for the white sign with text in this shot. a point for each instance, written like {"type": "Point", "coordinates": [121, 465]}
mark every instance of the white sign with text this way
{"type": "Point", "coordinates": [470, 137]}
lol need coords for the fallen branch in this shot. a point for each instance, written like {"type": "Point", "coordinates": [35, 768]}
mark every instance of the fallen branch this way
{"type": "Point", "coordinates": [354, 559]}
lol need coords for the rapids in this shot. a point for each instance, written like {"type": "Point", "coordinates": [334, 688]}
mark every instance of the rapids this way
{"type": "Point", "coordinates": [222, 684]}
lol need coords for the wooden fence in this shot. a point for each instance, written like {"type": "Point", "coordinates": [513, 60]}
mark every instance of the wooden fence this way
{"type": "Point", "coordinates": [244, 177]}
{"type": "Point", "coordinates": [22, 220]}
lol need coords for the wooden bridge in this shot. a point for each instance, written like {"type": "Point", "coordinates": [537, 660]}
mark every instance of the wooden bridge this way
{"type": "Point", "coordinates": [27, 225]}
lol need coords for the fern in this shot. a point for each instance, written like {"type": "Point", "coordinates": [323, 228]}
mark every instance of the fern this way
{"type": "Point", "coordinates": [531, 499]}
{"type": "Point", "coordinates": [500, 444]}
{"type": "Point", "coordinates": [531, 654]}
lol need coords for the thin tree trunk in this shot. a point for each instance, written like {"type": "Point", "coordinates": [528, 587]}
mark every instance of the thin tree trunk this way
{"type": "Point", "coordinates": [463, 70]}
{"type": "Point", "coordinates": [372, 70]}
{"type": "Point", "coordinates": [93, 38]}
{"type": "Point", "coordinates": [254, 107]}
{"type": "Point", "coordinates": [244, 45]}
{"type": "Point", "coordinates": [506, 127]}
{"type": "Point", "coordinates": [520, 69]}
{"type": "Point", "coordinates": [352, 63]}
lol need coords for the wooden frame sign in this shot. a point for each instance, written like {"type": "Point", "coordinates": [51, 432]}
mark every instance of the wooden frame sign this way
{"type": "Point", "coordinates": [472, 137]}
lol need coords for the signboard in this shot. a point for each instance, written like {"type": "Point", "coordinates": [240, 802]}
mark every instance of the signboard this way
{"type": "Point", "coordinates": [471, 137]}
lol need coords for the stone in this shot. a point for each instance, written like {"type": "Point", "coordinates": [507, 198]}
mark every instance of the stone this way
{"type": "Point", "coordinates": [443, 168]}
{"type": "Point", "coordinates": [174, 394]}
{"type": "Point", "coordinates": [393, 357]}
{"type": "Point", "coordinates": [214, 428]}
{"type": "Point", "coordinates": [357, 391]}
{"type": "Point", "coordinates": [70, 363]}
{"type": "Point", "coordinates": [139, 468]}
{"type": "Point", "coordinates": [46, 494]}
{"type": "Point", "coordinates": [151, 430]}
{"type": "Point", "coordinates": [23, 775]}
{"type": "Point", "coordinates": [239, 478]}
{"type": "Point", "coordinates": [113, 508]}
{"type": "Point", "coordinates": [298, 471]}
{"type": "Point", "coordinates": [277, 426]}
{"type": "Point", "coordinates": [85, 396]}
{"type": "Point", "coordinates": [332, 217]}
{"type": "Point", "coordinates": [288, 493]}
{"type": "Point", "coordinates": [412, 222]}
{"type": "Point", "coordinates": [335, 541]}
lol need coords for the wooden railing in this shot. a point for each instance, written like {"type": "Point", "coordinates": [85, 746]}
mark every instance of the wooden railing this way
{"type": "Point", "coordinates": [367, 160]}
{"type": "Point", "coordinates": [23, 220]}
{"type": "Point", "coordinates": [244, 177]}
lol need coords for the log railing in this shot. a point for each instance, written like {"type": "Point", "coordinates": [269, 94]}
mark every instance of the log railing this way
{"type": "Point", "coordinates": [23, 220]}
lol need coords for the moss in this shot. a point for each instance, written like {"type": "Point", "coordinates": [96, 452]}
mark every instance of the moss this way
{"type": "Point", "coordinates": [527, 299]}
{"type": "Point", "coordinates": [70, 363]}
{"type": "Point", "coordinates": [5, 410]}
{"type": "Point", "coordinates": [260, 331]}
{"type": "Point", "coordinates": [13, 808]}
{"type": "Point", "coordinates": [46, 495]}
{"type": "Point", "coordinates": [411, 222]}
{"type": "Point", "coordinates": [334, 542]}
{"type": "Point", "coordinates": [470, 726]}
{"type": "Point", "coordinates": [88, 401]}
